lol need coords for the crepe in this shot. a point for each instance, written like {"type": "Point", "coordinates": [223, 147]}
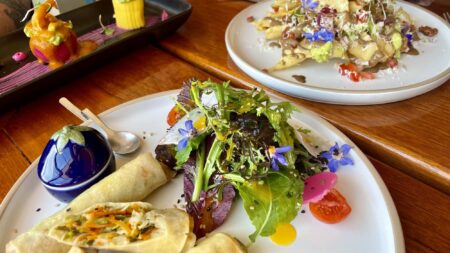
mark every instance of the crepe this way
{"type": "Point", "coordinates": [132, 182]}
{"type": "Point", "coordinates": [129, 227]}
{"type": "Point", "coordinates": [218, 243]}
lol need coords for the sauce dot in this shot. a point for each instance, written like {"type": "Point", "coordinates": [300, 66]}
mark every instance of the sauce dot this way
{"type": "Point", "coordinates": [284, 235]}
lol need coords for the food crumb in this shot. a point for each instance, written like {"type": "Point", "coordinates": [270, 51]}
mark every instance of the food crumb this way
{"type": "Point", "coordinates": [428, 31]}
{"type": "Point", "coordinates": [274, 44]}
{"type": "Point", "coordinates": [303, 211]}
{"type": "Point", "coordinates": [68, 209]}
{"type": "Point", "coordinates": [39, 209]}
{"type": "Point", "coordinates": [250, 19]}
{"type": "Point", "coordinates": [15, 231]}
{"type": "Point", "coordinates": [300, 78]}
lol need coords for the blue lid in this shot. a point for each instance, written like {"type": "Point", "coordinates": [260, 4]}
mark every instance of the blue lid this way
{"type": "Point", "coordinates": [73, 155]}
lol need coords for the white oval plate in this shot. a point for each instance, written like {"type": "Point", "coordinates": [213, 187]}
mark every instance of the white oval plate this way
{"type": "Point", "coordinates": [372, 226]}
{"type": "Point", "coordinates": [416, 74]}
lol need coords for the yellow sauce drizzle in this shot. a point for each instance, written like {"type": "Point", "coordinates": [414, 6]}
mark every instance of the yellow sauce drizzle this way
{"type": "Point", "coordinates": [284, 235]}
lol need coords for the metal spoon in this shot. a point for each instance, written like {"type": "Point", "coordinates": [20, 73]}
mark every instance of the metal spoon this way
{"type": "Point", "coordinates": [121, 142]}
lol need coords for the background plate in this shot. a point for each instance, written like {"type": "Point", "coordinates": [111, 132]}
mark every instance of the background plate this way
{"type": "Point", "coordinates": [416, 74]}
{"type": "Point", "coordinates": [373, 225]}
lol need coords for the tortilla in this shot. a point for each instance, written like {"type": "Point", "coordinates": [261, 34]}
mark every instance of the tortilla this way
{"type": "Point", "coordinates": [130, 227]}
{"type": "Point", "coordinates": [218, 243]}
{"type": "Point", "coordinates": [76, 250]}
{"type": "Point", "coordinates": [132, 182]}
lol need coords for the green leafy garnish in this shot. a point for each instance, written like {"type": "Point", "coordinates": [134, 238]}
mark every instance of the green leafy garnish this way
{"type": "Point", "coordinates": [105, 30]}
{"type": "Point", "coordinates": [274, 200]}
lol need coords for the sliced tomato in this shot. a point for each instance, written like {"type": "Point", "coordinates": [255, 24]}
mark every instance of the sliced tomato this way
{"type": "Point", "coordinates": [174, 115]}
{"type": "Point", "coordinates": [333, 208]}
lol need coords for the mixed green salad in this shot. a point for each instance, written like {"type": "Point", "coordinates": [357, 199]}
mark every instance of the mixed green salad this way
{"type": "Point", "coordinates": [229, 141]}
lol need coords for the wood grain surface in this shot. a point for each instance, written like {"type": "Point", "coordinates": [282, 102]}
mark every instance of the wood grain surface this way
{"type": "Point", "coordinates": [25, 130]}
{"type": "Point", "coordinates": [409, 141]}
{"type": "Point", "coordinates": [412, 135]}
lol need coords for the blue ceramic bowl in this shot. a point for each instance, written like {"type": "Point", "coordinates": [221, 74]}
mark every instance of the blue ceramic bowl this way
{"type": "Point", "coordinates": [75, 158]}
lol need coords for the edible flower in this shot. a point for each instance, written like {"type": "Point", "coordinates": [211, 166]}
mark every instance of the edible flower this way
{"type": "Point", "coordinates": [310, 4]}
{"type": "Point", "coordinates": [337, 156]}
{"type": "Point", "coordinates": [409, 36]}
{"type": "Point", "coordinates": [164, 15]}
{"type": "Point", "coordinates": [19, 56]}
{"type": "Point", "coordinates": [321, 35]}
{"type": "Point", "coordinates": [276, 156]}
{"type": "Point", "coordinates": [189, 132]}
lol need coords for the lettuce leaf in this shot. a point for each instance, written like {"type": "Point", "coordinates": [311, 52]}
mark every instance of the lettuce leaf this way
{"type": "Point", "coordinates": [274, 200]}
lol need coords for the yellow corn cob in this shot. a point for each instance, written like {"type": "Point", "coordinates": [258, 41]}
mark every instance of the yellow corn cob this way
{"type": "Point", "coordinates": [129, 14]}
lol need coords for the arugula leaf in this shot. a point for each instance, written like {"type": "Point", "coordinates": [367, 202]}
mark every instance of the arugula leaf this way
{"type": "Point", "coordinates": [271, 201]}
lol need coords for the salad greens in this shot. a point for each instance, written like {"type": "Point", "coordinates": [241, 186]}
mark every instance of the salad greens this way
{"type": "Point", "coordinates": [244, 141]}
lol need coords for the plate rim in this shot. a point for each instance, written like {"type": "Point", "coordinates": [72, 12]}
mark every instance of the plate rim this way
{"type": "Point", "coordinates": [445, 74]}
{"type": "Point", "coordinates": [392, 214]}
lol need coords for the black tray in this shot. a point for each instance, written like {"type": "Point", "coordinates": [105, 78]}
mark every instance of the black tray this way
{"type": "Point", "coordinates": [85, 19]}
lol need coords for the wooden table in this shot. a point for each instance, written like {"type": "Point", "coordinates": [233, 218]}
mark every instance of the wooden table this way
{"type": "Point", "coordinates": [408, 145]}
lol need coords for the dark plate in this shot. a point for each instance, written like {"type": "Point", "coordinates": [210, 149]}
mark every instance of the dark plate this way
{"type": "Point", "coordinates": [85, 20]}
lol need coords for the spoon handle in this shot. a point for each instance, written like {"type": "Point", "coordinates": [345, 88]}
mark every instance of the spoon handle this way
{"type": "Point", "coordinates": [98, 121]}
{"type": "Point", "coordinates": [72, 108]}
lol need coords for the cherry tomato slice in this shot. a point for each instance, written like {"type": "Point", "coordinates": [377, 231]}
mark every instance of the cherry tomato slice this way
{"type": "Point", "coordinates": [174, 115]}
{"type": "Point", "coordinates": [333, 208]}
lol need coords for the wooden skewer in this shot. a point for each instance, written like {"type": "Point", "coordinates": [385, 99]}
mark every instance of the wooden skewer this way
{"type": "Point", "coordinates": [72, 108]}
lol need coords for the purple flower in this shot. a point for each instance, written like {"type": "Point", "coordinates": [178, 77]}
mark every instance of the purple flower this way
{"type": "Point", "coordinates": [321, 35]}
{"type": "Point", "coordinates": [310, 4]}
{"type": "Point", "coordinates": [189, 132]}
{"type": "Point", "coordinates": [276, 156]}
{"type": "Point", "coordinates": [337, 156]}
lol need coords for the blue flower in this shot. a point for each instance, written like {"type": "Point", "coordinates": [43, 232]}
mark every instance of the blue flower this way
{"type": "Point", "coordinates": [189, 132]}
{"type": "Point", "coordinates": [321, 35]}
{"type": "Point", "coordinates": [311, 36]}
{"type": "Point", "coordinates": [409, 36]}
{"type": "Point", "coordinates": [276, 156]}
{"type": "Point", "coordinates": [310, 4]}
{"type": "Point", "coordinates": [325, 35]}
{"type": "Point", "coordinates": [337, 156]}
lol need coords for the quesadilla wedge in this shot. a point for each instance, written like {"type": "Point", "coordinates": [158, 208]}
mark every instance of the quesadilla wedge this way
{"type": "Point", "coordinates": [217, 243]}
{"type": "Point", "coordinates": [130, 227]}
{"type": "Point", "coordinates": [131, 182]}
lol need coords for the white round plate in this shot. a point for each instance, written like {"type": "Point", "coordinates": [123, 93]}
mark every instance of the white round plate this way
{"type": "Point", "coordinates": [372, 226]}
{"type": "Point", "coordinates": [415, 75]}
